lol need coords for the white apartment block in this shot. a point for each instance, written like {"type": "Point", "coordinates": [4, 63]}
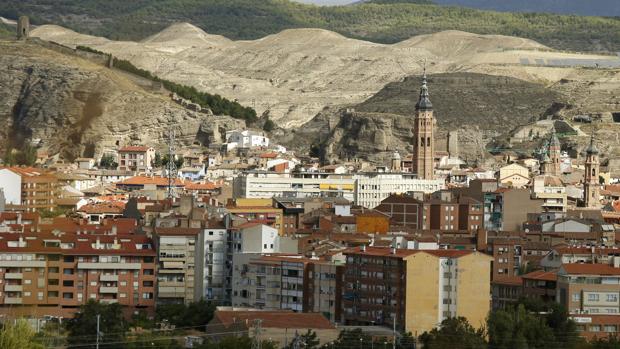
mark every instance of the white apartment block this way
{"type": "Point", "coordinates": [246, 139]}
{"type": "Point", "coordinates": [372, 188]}
{"type": "Point", "coordinates": [263, 184]}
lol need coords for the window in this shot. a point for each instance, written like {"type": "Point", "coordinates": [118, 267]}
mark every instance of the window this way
{"type": "Point", "coordinates": [69, 295]}
{"type": "Point", "coordinates": [147, 283]}
{"type": "Point", "coordinates": [27, 294]}
{"type": "Point", "coordinates": [93, 283]}
{"type": "Point", "coordinates": [610, 328]}
{"type": "Point", "coordinates": [123, 283]}
{"type": "Point", "coordinates": [593, 297]}
{"type": "Point", "coordinates": [612, 297]}
{"type": "Point", "coordinates": [595, 328]}
{"type": "Point", "coordinates": [576, 297]}
{"type": "Point", "coordinates": [40, 296]}
{"type": "Point", "coordinates": [67, 283]}
{"type": "Point", "coordinates": [27, 282]}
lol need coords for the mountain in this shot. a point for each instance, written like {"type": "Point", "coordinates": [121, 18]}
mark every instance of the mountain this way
{"type": "Point", "coordinates": [384, 22]}
{"type": "Point", "coordinates": [608, 8]}
{"type": "Point", "coordinates": [296, 73]}
{"type": "Point", "coordinates": [74, 106]}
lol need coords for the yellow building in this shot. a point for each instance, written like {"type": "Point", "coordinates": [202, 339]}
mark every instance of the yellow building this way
{"type": "Point", "coordinates": [437, 284]}
{"type": "Point", "coordinates": [258, 210]}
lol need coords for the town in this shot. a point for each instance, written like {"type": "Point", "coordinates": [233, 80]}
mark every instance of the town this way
{"type": "Point", "coordinates": [265, 234]}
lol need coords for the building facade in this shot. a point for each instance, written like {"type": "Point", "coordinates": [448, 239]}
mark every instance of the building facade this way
{"type": "Point", "coordinates": [416, 288]}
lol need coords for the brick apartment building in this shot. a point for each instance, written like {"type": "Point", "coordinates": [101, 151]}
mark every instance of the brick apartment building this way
{"type": "Point", "coordinates": [416, 288]}
{"type": "Point", "coordinates": [440, 213]}
{"type": "Point", "coordinates": [136, 158]}
{"type": "Point", "coordinates": [29, 188]}
{"type": "Point", "coordinates": [53, 274]}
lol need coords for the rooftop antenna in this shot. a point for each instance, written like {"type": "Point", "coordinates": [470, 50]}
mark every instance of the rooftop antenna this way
{"type": "Point", "coordinates": [171, 166]}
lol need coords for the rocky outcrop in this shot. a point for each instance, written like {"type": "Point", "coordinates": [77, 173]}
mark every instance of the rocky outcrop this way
{"type": "Point", "coordinates": [75, 107]}
{"type": "Point", "coordinates": [481, 107]}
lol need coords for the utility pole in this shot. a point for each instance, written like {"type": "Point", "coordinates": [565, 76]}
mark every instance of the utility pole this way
{"type": "Point", "coordinates": [98, 316]}
{"type": "Point", "coordinates": [171, 166]}
{"type": "Point", "coordinates": [256, 342]}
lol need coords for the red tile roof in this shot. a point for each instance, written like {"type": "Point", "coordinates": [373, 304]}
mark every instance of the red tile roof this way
{"type": "Point", "coordinates": [271, 155]}
{"type": "Point", "coordinates": [542, 275]}
{"type": "Point", "coordinates": [402, 253]}
{"type": "Point", "coordinates": [275, 319]}
{"type": "Point", "coordinates": [202, 186]}
{"type": "Point", "coordinates": [84, 244]}
{"type": "Point", "coordinates": [590, 269]}
{"type": "Point", "coordinates": [143, 180]}
{"type": "Point", "coordinates": [509, 280]}
{"type": "Point", "coordinates": [177, 231]}
{"type": "Point", "coordinates": [103, 207]}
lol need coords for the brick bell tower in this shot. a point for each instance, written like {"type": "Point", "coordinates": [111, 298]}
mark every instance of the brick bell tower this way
{"type": "Point", "coordinates": [423, 135]}
{"type": "Point", "coordinates": [591, 185]}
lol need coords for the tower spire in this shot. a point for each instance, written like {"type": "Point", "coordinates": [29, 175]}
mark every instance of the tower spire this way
{"type": "Point", "coordinates": [424, 102]}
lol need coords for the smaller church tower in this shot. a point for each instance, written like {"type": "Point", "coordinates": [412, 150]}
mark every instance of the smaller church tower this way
{"type": "Point", "coordinates": [555, 154]}
{"type": "Point", "coordinates": [423, 135]}
{"type": "Point", "coordinates": [591, 184]}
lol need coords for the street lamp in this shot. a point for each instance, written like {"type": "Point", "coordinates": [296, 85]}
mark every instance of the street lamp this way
{"type": "Point", "coordinates": [361, 342]}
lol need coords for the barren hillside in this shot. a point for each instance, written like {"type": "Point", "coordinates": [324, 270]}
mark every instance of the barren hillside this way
{"type": "Point", "coordinates": [294, 74]}
{"type": "Point", "coordinates": [75, 107]}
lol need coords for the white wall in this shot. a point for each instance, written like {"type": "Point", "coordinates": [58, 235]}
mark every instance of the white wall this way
{"type": "Point", "coordinates": [11, 183]}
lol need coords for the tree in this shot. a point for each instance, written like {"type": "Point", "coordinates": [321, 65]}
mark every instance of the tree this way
{"type": "Point", "coordinates": [348, 339]}
{"type": "Point", "coordinates": [191, 315]}
{"type": "Point", "coordinates": [454, 333]}
{"type": "Point", "coordinates": [308, 340]}
{"type": "Point", "coordinates": [269, 125]}
{"type": "Point", "coordinates": [178, 161]}
{"type": "Point", "coordinates": [18, 335]}
{"type": "Point", "coordinates": [157, 162]}
{"type": "Point", "coordinates": [83, 327]}
{"type": "Point", "coordinates": [107, 161]}
{"type": "Point", "coordinates": [532, 324]}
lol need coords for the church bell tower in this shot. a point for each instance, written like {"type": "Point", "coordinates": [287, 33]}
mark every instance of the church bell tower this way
{"type": "Point", "coordinates": [423, 135]}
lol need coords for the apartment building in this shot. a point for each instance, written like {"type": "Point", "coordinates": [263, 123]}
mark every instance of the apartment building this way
{"type": "Point", "coordinates": [416, 288]}
{"type": "Point", "coordinates": [193, 264]}
{"type": "Point", "coordinates": [506, 209]}
{"type": "Point", "coordinates": [372, 188]}
{"type": "Point", "coordinates": [439, 213]}
{"type": "Point", "coordinates": [54, 274]}
{"type": "Point", "coordinates": [263, 184]}
{"type": "Point", "coordinates": [30, 188]}
{"type": "Point", "coordinates": [258, 210]}
{"type": "Point", "coordinates": [591, 293]}
{"type": "Point", "coordinates": [278, 282]}
{"type": "Point", "coordinates": [136, 158]}
{"type": "Point", "coordinates": [552, 192]}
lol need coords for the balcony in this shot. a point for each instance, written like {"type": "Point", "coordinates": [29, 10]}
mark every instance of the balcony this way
{"type": "Point", "coordinates": [112, 278]}
{"type": "Point", "coordinates": [171, 284]}
{"type": "Point", "coordinates": [13, 276]}
{"type": "Point", "coordinates": [109, 266]}
{"type": "Point", "coordinates": [104, 289]}
{"type": "Point", "coordinates": [13, 288]}
{"type": "Point", "coordinates": [108, 301]}
{"type": "Point", "coordinates": [12, 300]}
{"type": "Point", "coordinates": [22, 264]}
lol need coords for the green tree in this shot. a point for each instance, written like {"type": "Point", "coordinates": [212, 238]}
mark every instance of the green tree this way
{"type": "Point", "coordinates": [178, 161]}
{"type": "Point", "coordinates": [157, 162]}
{"type": "Point", "coordinates": [191, 315]}
{"type": "Point", "coordinates": [269, 125]}
{"type": "Point", "coordinates": [18, 335]}
{"type": "Point", "coordinates": [454, 333]}
{"type": "Point", "coordinates": [532, 324]}
{"type": "Point", "coordinates": [83, 327]}
{"type": "Point", "coordinates": [108, 162]}
{"type": "Point", "coordinates": [348, 339]}
{"type": "Point", "coordinates": [308, 340]}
